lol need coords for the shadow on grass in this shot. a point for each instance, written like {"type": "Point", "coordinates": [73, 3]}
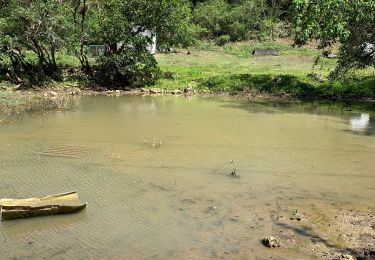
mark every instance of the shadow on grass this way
{"type": "Point", "coordinates": [295, 86]}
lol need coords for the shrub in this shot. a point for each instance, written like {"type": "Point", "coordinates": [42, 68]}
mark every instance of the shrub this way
{"type": "Point", "coordinates": [222, 40]}
{"type": "Point", "coordinates": [130, 67]}
{"type": "Point", "coordinates": [241, 20]}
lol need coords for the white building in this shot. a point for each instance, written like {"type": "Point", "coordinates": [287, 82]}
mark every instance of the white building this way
{"type": "Point", "coordinates": [150, 47]}
{"type": "Point", "coordinates": [96, 50]}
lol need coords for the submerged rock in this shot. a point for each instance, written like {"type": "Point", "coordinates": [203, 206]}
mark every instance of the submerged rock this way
{"type": "Point", "coordinates": [211, 209]}
{"type": "Point", "coordinates": [271, 242]}
{"type": "Point", "coordinates": [298, 216]}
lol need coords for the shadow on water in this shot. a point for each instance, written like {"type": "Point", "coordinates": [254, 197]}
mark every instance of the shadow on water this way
{"type": "Point", "coordinates": [18, 228]}
{"type": "Point", "coordinates": [359, 116]}
{"type": "Point", "coordinates": [338, 109]}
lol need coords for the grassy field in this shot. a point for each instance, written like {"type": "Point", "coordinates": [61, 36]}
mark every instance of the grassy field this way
{"type": "Point", "coordinates": [232, 68]}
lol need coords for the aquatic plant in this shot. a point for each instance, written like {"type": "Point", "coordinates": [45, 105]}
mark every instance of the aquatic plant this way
{"type": "Point", "coordinates": [234, 169]}
{"type": "Point", "coordinates": [224, 167]}
{"type": "Point", "coordinates": [155, 143]}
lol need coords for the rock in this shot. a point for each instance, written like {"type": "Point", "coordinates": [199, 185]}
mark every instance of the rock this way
{"type": "Point", "coordinates": [176, 92]}
{"type": "Point", "coordinates": [331, 56]}
{"type": "Point", "coordinates": [155, 91]}
{"type": "Point", "coordinates": [271, 242]}
{"type": "Point", "coordinates": [346, 257]}
{"type": "Point", "coordinates": [234, 219]}
{"type": "Point", "coordinates": [45, 95]}
{"type": "Point", "coordinates": [118, 91]}
{"type": "Point", "coordinates": [188, 89]}
{"type": "Point", "coordinates": [297, 216]}
{"type": "Point", "coordinates": [53, 93]}
{"type": "Point", "coordinates": [211, 209]}
{"type": "Point", "coordinates": [145, 90]}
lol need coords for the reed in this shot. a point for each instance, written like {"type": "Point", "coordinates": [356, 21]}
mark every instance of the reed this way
{"type": "Point", "coordinates": [155, 142]}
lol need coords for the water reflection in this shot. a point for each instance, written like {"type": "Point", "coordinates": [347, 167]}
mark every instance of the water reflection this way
{"type": "Point", "coordinates": [178, 201]}
{"type": "Point", "coordinates": [362, 124]}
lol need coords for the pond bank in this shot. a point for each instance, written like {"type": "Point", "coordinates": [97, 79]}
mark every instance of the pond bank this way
{"type": "Point", "coordinates": [13, 101]}
{"type": "Point", "coordinates": [327, 230]}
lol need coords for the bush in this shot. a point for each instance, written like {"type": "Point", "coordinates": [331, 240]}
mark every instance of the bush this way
{"type": "Point", "coordinates": [241, 20]}
{"type": "Point", "coordinates": [222, 40]}
{"type": "Point", "coordinates": [130, 67]}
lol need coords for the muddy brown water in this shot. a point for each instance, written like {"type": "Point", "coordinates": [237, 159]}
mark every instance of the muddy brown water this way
{"type": "Point", "coordinates": [156, 175]}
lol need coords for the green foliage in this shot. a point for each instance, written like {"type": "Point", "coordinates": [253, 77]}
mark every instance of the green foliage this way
{"type": "Point", "coordinates": [36, 26]}
{"type": "Point", "coordinates": [48, 27]}
{"type": "Point", "coordinates": [121, 26]}
{"type": "Point", "coordinates": [232, 68]}
{"type": "Point", "coordinates": [241, 20]}
{"type": "Point", "coordinates": [124, 20]}
{"type": "Point", "coordinates": [294, 86]}
{"type": "Point", "coordinates": [129, 67]}
{"type": "Point", "coordinates": [222, 40]}
{"type": "Point", "coordinates": [350, 23]}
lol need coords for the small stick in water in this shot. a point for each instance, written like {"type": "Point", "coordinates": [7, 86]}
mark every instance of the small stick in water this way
{"type": "Point", "coordinates": [234, 170]}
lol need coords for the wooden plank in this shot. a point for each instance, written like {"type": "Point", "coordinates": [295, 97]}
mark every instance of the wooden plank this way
{"type": "Point", "coordinates": [64, 203]}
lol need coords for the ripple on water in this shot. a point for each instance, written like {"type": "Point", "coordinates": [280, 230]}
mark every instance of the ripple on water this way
{"type": "Point", "coordinates": [177, 201]}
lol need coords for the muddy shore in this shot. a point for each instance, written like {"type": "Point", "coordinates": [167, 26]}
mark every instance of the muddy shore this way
{"type": "Point", "coordinates": [327, 230]}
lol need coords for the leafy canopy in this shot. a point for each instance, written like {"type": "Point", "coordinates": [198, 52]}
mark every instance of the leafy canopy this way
{"type": "Point", "coordinates": [349, 23]}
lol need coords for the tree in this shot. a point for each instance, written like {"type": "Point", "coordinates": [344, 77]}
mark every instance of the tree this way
{"type": "Point", "coordinates": [121, 26]}
{"type": "Point", "coordinates": [36, 26]}
{"type": "Point", "coordinates": [238, 19]}
{"type": "Point", "coordinates": [80, 36]}
{"type": "Point", "coordinates": [349, 23]}
{"type": "Point", "coordinates": [32, 32]}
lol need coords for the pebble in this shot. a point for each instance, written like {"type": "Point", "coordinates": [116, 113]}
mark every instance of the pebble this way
{"type": "Point", "coordinates": [271, 242]}
{"type": "Point", "coordinates": [346, 257]}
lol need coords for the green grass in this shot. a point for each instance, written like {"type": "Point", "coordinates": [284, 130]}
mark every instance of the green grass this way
{"type": "Point", "coordinates": [245, 49]}
{"type": "Point", "coordinates": [67, 61]}
{"type": "Point", "coordinates": [232, 68]}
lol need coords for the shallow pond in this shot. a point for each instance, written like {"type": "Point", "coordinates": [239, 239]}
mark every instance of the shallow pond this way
{"type": "Point", "coordinates": [156, 173]}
